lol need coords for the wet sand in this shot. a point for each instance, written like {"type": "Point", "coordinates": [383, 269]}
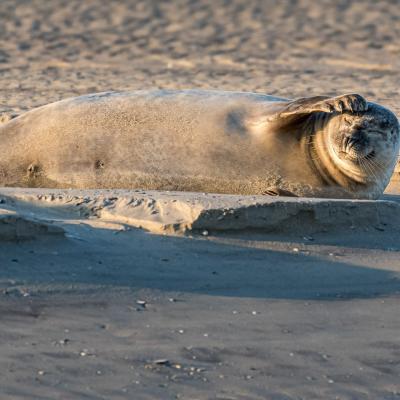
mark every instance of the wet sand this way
{"type": "Point", "coordinates": [108, 311]}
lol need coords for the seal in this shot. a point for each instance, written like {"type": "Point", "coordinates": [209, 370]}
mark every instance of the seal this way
{"type": "Point", "coordinates": [208, 141]}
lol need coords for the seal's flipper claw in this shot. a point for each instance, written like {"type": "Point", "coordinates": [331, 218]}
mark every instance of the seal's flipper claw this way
{"type": "Point", "coordinates": [270, 192]}
{"type": "Point", "coordinates": [275, 191]}
{"type": "Point", "coordinates": [307, 105]}
{"type": "Point", "coordinates": [348, 103]}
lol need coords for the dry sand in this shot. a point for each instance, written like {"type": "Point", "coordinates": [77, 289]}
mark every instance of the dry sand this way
{"type": "Point", "coordinates": [93, 308]}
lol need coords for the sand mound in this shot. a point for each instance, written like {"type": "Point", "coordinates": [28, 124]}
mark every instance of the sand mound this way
{"type": "Point", "coordinates": [177, 212]}
{"type": "Point", "coordinates": [14, 226]}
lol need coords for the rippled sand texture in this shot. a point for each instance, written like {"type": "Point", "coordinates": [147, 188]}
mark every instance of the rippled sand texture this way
{"type": "Point", "coordinates": [55, 49]}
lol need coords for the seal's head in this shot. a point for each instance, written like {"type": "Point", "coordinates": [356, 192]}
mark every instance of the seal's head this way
{"type": "Point", "coordinates": [358, 150]}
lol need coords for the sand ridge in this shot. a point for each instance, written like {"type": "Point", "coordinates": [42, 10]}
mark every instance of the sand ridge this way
{"type": "Point", "coordinates": [185, 212]}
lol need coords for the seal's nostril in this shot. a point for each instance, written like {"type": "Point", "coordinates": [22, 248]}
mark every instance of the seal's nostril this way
{"type": "Point", "coordinates": [370, 155]}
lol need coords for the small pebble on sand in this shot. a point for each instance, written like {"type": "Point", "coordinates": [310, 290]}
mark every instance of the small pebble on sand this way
{"type": "Point", "coordinates": [161, 361]}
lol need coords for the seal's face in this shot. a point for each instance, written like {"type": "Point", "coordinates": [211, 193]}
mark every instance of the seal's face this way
{"type": "Point", "coordinates": [364, 145]}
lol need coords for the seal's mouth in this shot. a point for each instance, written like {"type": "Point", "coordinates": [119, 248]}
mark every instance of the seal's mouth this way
{"type": "Point", "coordinates": [356, 156]}
{"type": "Point", "coordinates": [355, 148]}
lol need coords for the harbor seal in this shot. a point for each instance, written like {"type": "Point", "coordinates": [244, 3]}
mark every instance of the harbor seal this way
{"type": "Point", "coordinates": [208, 141]}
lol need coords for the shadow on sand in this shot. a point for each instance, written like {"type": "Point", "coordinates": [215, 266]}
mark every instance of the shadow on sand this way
{"type": "Point", "coordinates": [136, 259]}
{"type": "Point", "coordinates": [212, 266]}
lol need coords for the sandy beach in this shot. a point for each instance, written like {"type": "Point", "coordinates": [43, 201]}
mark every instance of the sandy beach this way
{"type": "Point", "coordinates": [99, 300]}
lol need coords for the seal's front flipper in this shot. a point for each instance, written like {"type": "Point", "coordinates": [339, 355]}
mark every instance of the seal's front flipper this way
{"type": "Point", "coordinates": [275, 191]}
{"type": "Point", "coordinates": [346, 103]}
{"type": "Point", "coordinates": [289, 116]}
{"type": "Point", "coordinates": [7, 116]}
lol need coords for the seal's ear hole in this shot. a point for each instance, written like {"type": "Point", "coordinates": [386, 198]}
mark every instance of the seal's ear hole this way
{"type": "Point", "coordinates": [99, 164]}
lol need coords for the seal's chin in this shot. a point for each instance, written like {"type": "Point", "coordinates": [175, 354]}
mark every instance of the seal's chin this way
{"type": "Point", "coordinates": [354, 161]}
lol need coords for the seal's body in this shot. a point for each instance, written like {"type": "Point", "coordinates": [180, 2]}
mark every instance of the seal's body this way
{"type": "Point", "coordinates": [223, 142]}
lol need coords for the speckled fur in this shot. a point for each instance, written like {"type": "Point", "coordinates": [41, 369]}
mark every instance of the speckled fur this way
{"type": "Point", "coordinates": [224, 142]}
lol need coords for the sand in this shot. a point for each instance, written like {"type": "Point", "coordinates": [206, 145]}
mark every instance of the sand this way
{"type": "Point", "coordinates": [93, 307]}
{"type": "Point", "coordinates": [183, 213]}
{"type": "Point", "coordinates": [96, 308]}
